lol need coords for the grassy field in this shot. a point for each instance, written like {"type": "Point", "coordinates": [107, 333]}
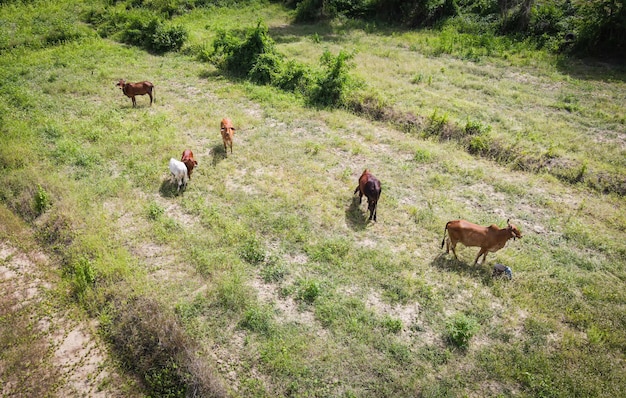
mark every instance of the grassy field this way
{"type": "Point", "coordinates": [264, 277]}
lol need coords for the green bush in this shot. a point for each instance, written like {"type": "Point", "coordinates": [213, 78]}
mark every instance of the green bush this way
{"type": "Point", "coordinates": [460, 329]}
{"type": "Point", "coordinates": [308, 291]}
{"type": "Point", "coordinates": [239, 56]}
{"type": "Point", "coordinates": [257, 319]}
{"type": "Point", "coordinates": [252, 251]}
{"type": "Point", "coordinates": [333, 83]}
{"type": "Point", "coordinates": [42, 200]}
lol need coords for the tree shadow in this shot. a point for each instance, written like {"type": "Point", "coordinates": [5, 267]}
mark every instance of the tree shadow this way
{"type": "Point", "coordinates": [355, 218]}
{"type": "Point", "coordinates": [169, 189]}
{"type": "Point", "coordinates": [605, 70]}
{"type": "Point", "coordinates": [448, 263]}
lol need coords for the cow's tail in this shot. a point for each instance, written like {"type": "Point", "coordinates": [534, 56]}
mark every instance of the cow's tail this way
{"type": "Point", "coordinates": [444, 235]}
{"type": "Point", "coordinates": [154, 94]}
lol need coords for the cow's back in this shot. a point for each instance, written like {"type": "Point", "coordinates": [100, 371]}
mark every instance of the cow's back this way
{"type": "Point", "coordinates": [468, 233]}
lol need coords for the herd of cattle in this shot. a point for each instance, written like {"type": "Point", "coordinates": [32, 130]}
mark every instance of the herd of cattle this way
{"type": "Point", "coordinates": [489, 239]}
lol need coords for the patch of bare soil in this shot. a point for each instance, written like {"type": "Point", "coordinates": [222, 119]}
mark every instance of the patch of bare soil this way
{"type": "Point", "coordinates": [62, 357]}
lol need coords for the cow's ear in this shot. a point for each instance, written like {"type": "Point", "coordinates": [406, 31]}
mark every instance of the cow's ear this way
{"type": "Point", "coordinates": [508, 222]}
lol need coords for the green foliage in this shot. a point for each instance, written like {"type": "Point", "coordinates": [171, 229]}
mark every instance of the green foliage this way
{"type": "Point", "coordinates": [154, 211]}
{"type": "Point", "coordinates": [82, 276]}
{"type": "Point", "coordinates": [333, 84]}
{"type": "Point", "coordinates": [239, 57]}
{"type": "Point", "coordinates": [42, 200]}
{"type": "Point", "coordinates": [308, 290]}
{"type": "Point", "coordinates": [252, 251]}
{"type": "Point", "coordinates": [139, 27]}
{"type": "Point", "coordinates": [460, 329]}
{"type": "Point", "coordinates": [257, 319]}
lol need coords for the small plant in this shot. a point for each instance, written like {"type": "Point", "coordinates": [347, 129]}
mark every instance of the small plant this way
{"type": "Point", "coordinates": [155, 212]}
{"type": "Point", "coordinates": [392, 325]}
{"type": "Point", "coordinates": [257, 319]}
{"type": "Point", "coordinates": [422, 156]}
{"type": "Point", "coordinates": [460, 329]}
{"type": "Point", "coordinates": [479, 144]}
{"type": "Point", "coordinates": [42, 200]}
{"type": "Point", "coordinates": [308, 291]}
{"type": "Point", "coordinates": [436, 123]}
{"type": "Point", "coordinates": [252, 251]}
{"type": "Point", "coordinates": [83, 278]}
{"type": "Point", "coordinates": [273, 272]}
{"type": "Point", "coordinates": [473, 127]}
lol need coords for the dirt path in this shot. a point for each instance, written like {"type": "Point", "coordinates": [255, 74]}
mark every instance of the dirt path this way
{"type": "Point", "coordinates": [47, 350]}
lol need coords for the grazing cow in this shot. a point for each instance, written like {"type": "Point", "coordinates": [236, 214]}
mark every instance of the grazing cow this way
{"type": "Point", "coordinates": [489, 239]}
{"type": "Point", "coordinates": [189, 161]}
{"type": "Point", "coordinates": [179, 172]}
{"type": "Point", "coordinates": [228, 131]}
{"type": "Point", "coordinates": [132, 89]}
{"type": "Point", "coordinates": [370, 187]}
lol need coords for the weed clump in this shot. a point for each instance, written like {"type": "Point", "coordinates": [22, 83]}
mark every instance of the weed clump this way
{"type": "Point", "coordinates": [460, 329]}
{"type": "Point", "coordinates": [150, 342]}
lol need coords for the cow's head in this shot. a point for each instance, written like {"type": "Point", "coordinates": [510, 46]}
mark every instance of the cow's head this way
{"type": "Point", "coordinates": [121, 84]}
{"type": "Point", "coordinates": [515, 233]}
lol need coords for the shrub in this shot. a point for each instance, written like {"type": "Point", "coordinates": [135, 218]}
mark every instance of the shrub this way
{"type": "Point", "coordinates": [252, 251]}
{"type": "Point", "coordinates": [460, 329]}
{"type": "Point", "coordinates": [332, 85]}
{"type": "Point", "coordinates": [83, 278]}
{"type": "Point", "coordinates": [308, 291]}
{"type": "Point", "coordinates": [239, 57]}
{"type": "Point", "coordinates": [155, 212]}
{"type": "Point", "coordinates": [42, 200]}
{"type": "Point", "coordinates": [479, 144]}
{"type": "Point", "coordinates": [476, 128]}
{"type": "Point", "coordinates": [167, 38]}
{"type": "Point", "coordinates": [257, 319]}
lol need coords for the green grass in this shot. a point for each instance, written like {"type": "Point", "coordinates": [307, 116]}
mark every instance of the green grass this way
{"type": "Point", "coordinates": [267, 263]}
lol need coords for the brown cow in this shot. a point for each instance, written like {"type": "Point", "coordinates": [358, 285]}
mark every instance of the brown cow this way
{"type": "Point", "coordinates": [133, 89]}
{"type": "Point", "coordinates": [228, 131]}
{"type": "Point", "coordinates": [489, 239]}
{"type": "Point", "coordinates": [189, 161]}
{"type": "Point", "coordinates": [370, 187]}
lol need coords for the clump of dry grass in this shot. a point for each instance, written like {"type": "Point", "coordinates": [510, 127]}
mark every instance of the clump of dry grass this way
{"type": "Point", "coordinates": [151, 343]}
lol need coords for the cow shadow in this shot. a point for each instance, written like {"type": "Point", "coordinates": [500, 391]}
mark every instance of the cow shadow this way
{"type": "Point", "coordinates": [217, 154]}
{"type": "Point", "coordinates": [356, 219]}
{"type": "Point", "coordinates": [169, 189]}
{"type": "Point", "coordinates": [448, 263]}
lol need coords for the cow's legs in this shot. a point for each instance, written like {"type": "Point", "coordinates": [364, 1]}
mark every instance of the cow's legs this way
{"type": "Point", "coordinates": [453, 246]}
{"type": "Point", "coordinates": [482, 252]}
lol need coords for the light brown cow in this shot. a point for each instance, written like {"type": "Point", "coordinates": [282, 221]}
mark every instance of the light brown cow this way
{"type": "Point", "coordinates": [189, 161]}
{"type": "Point", "coordinates": [133, 89]}
{"type": "Point", "coordinates": [228, 131]}
{"type": "Point", "coordinates": [489, 239]}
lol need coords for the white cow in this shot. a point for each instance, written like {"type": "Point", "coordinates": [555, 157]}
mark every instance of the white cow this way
{"type": "Point", "coordinates": [179, 172]}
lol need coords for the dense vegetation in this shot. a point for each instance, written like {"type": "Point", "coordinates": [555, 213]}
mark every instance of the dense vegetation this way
{"type": "Point", "coordinates": [264, 278]}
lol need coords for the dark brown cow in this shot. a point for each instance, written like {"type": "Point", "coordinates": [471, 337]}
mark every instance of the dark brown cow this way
{"type": "Point", "coordinates": [228, 131]}
{"type": "Point", "coordinates": [370, 187]}
{"type": "Point", "coordinates": [133, 89]}
{"type": "Point", "coordinates": [489, 239]}
{"type": "Point", "coordinates": [189, 161]}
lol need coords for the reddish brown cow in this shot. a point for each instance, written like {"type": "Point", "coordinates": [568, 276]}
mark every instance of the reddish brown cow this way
{"type": "Point", "coordinates": [370, 187]}
{"type": "Point", "coordinates": [133, 89]}
{"type": "Point", "coordinates": [489, 239]}
{"type": "Point", "coordinates": [228, 131]}
{"type": "Point", "coordinates": [189, 161]}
